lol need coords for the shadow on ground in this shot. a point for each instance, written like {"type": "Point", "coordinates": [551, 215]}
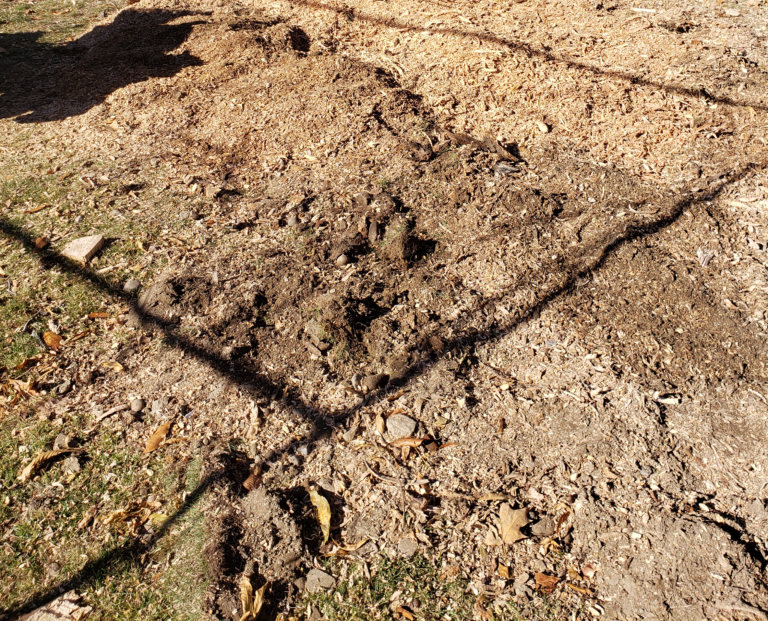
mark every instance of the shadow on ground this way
{"type": "Point", "coordinates": [43, 82]}
{"type": "Point", "coordinates": [462, 340]}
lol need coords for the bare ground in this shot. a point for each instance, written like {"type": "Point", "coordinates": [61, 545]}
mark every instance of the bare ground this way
{"type": "Point", "coordinates": [574, 318]}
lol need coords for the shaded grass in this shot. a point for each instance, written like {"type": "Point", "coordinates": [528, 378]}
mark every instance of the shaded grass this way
{"type": "Point", "coordinates": [42, 545]}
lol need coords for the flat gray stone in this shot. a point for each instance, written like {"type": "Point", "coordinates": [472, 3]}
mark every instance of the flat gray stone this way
{"type": "Point", "coordinates": [70, 465]}
{"type": "Point", "coordinates": [545, 527]}
{"type": "Point", "coordinates": [83, 249]}
{"type": "Point", "coordinates": [400, 426]}
{"type": "Point", "coordinates": [407, 547]}
{"type": "Point", "coordinates": [131, 286]}
{"type": "Point", "coordinates": [318, 580]}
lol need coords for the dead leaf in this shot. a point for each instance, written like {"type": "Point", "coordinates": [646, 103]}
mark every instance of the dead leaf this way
{"type": "Point", "coordinates": [494, 496]}
{"type": "Point", "coordinates": [64, 608]}
{"type": "Point", "coordinates": [159, 520]}
{"type": "Point", "coordinates": [449, 572]}
{"type": "Point", "coordinates": [41, 459]}
{"type": "Point", "coordinates": [546, 584]}
{"type": "Point", "coordinates": [504, 571]}
{"type": "Point", "coordinates": [252, 602]}
{"type": "Point", "coordinates": [116, 366]}
{"type": "Point", "coordinates": [406, 613]}
{"type": "Point", "coordinates": [158, 435]}
{"type": "Point", "coordinates": [561, 520]}
{"type": "Point", "coordinates": [98, 315]}
{"type": "Point", "coordinates": [323, 511]}
{"type": "Point", "coordinates": [412, 442]}
{"type": "Point", "coordinates": [41, 242]}
{"type": "Point", "coordinates": [36, 209]}
{"type": "Point", "coordinates": [379, 423]}
{"type": "Point", "coordinates": [27, 363]}
{"type": "Point", "coordinates": [253, 479]}
{"type": "Point", "coordinates": [52, 339]}
{"type": "Point", "coordinates": [78, 336]}
{"type": "Point", "coordinates": [89, 515]}
{"type": "Point", "coordinates": [510, 523]}
{"type": "Point", "coordinates": [448, 445]}
{"type": "Point", "coordinates": [580, 590]}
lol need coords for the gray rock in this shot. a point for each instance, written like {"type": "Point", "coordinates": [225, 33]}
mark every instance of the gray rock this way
{"type": "Point", "coordinates": [300, 583]}
{"type": "Point", "coordinates": [373, 232]}
{"type": "Point", "coordinates": [318, 580]}
{"type": "Point", "coordinates": [61, 442]}
{"type": "Point", "coordinates": [131, 286]}
{"type": "Point", "coordinates": [367, 549]}
{"type": "Point", "coordinates": [407, 547]}
{"type": "Point", "coordinates": [543, 528]}
{"type": "Point", "coordinates": [137, 405]}
{"type": "Point", "coordinates": [539, 565]}
{"type": "Point", "coordinates": [342, 260]}
{"type": "Point", "coordinates": [83, 249]}
{"type": "Point", "coordinates": [362, 199]}
{"type": "Point", "coordinates": [314, 613]}
{"type": "Point", "coordinates": [86, 378]}
{"type": "Point", "coordinates": [350, 435]}
{"type": "Point", "coordinates": [70, 465]}
{"type": "Point", "coordinates": [64, 387]}
{"type": "Point", "coordinates": [520, 580]}
{"type": "Point", "coordinates": [327, 485]}
{"type": "Point", "coordinates": [184, 215]}
{"type": "Point", "coordinates": [400, 426]}
{"type": "Point", "coordinates": [293, 220]}
{"type": "Point", "coordinates": [372, 382]}
{"type": "Point", "coordinates": [292, 459]}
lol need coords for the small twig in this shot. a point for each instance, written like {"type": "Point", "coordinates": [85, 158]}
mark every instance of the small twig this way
{"type": "Point", "coordinates": [8, 286]}
{"type": "Point", "coordinates": [108, 413]}
{"type": "Point", "coordinates": [743, 608]}
{"type": "Point", "coordinates": [383, 477]}
{"type": "Point", "coordinates": [29, 321]}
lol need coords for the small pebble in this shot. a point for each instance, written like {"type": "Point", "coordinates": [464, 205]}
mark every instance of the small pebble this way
{"type": "Point", "coordinates": [400, 426]}
{"type": "Point", "coordinates": [131, 286]}
{"type": "Point", "coordinates": [293, 220]}
{"type": "Point", "coordinates": [342, 260]}
{"type": "Point", "coordinates": [543, 127]}
{"type": "Point", "coordinates": [318, 580]}
{"type": "Point", "coordinates": [137, 405]}
{"type": "Point", "coordinates": [350, 435]}
{"type": "Point", "coordinates": [64, 387]}
{"type": "Point", "coordinates": [407, 547]}
{"type": "Point", "coordinates": [184, 215]}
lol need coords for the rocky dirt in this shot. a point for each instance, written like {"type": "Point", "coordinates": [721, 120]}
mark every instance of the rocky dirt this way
{"type": "Point", "coordinates": [547, 253]}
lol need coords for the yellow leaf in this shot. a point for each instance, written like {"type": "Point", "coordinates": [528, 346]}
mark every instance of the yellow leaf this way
{"type": "Point", "coordinates": [159, 519]}
{"type": "Point", "coordinates": [323, 511]}
{"type": "Point", "coordinates": [251, 602]}
{"type": "Point", "coordinates": [510, 523]}
{"type": "Point", "coordinates": [157, 437]}
{"type": "Point", "coordinates": [504, 572]}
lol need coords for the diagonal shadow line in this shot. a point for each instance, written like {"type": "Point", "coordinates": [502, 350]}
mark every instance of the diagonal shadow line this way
{"type": "Point", "coordinates": [533, 52]}
{"type": "Point", "coordinates": [268, 388]}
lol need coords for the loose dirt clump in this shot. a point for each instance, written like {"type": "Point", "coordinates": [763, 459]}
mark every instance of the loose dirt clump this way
{"type": "Point", "coordinates": [552, 269]}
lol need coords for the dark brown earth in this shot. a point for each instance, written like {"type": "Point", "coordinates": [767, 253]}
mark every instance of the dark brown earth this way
{"type": "Point", "coordinates": [573, 335]}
